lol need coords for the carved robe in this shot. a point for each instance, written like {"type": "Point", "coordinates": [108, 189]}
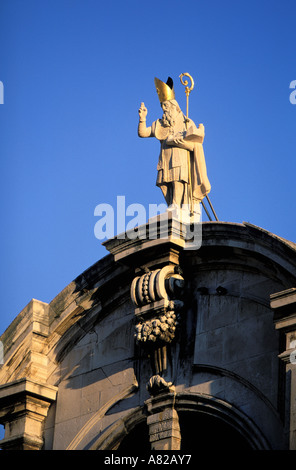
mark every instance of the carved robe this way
{"type": "Point", "coordinates": [173, 160]}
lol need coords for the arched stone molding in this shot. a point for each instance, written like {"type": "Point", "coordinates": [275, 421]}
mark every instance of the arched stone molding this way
{"type": "Point", "coordinates": [186, 401]}
{"type": "Point", "coordinates": [261, 412]}
{"type": "Point", "coordinates": [221, 409]}
{"type": "Point", "coordinates": [85, 435]}
{"type": "Point", "coordinates": [114, 435]}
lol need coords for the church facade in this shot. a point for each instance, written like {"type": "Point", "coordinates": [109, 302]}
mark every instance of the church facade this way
{"type": "Point", "coordinates": [160, 347]}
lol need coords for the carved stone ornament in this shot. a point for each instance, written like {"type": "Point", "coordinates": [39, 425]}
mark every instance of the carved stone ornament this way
{"type": "Point", "coordinates": [156, 296]}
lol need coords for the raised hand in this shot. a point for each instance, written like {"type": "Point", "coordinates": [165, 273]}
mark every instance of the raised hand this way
{"type": "Point", "coordinates": [143, 112]}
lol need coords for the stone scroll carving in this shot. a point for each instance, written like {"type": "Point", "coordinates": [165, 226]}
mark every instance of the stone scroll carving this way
{"type": "Point", "coordinates": [157, 299]}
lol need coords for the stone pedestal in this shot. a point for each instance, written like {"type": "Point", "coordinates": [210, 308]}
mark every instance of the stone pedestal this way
{"type": "Point", "coordinates": [163, 235]}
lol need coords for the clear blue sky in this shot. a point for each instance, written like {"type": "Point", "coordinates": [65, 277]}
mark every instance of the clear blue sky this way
{"type": "Point", "coordinates": [74, 74]}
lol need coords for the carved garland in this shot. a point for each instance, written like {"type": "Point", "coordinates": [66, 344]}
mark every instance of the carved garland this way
{"type": "Point", "coordinates": [154, 295]}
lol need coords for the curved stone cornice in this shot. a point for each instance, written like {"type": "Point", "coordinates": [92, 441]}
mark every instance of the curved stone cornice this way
{"type": "Point", "coordinates": [252, 239]}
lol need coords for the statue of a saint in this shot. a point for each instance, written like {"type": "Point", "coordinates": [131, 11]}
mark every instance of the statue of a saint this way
{"type": "Point", "coordinates": [182, 174]}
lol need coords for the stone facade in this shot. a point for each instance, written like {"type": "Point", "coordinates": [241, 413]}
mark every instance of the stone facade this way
{"type": "Point", "coordinates": [160, 347]}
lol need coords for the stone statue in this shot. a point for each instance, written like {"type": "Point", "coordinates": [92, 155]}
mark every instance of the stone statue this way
{"type": "Point", "coordinates": [182, 174]}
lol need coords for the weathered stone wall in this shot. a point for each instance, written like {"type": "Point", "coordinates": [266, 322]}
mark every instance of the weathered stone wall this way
{"type": "Point", "coordinates": [224, 359]}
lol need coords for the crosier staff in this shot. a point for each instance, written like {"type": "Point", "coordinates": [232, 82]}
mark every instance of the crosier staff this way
{"type": "Point", "coordinates": [188, 91]}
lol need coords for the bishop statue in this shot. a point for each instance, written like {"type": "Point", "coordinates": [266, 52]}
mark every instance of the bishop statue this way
{"type": "Point", "coordinates": [181, 169]}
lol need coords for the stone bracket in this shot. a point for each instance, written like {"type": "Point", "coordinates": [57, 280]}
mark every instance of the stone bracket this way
{"type": "Point", "coordinates": [155, 295]}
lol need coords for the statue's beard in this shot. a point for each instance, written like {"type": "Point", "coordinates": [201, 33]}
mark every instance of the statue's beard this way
{"type": "Point", "coordinates": [167, 119]}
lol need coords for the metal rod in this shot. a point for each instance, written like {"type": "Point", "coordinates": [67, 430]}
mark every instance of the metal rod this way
{"type": "Point", "coordinates": [206, 210]}
{"type": "Point", "coordinates": [212, 208]}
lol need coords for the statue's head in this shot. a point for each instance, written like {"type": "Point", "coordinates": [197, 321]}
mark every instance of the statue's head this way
{"type": "Point", "coordinates": [167, 100]}
{"type": "Point", "coordinates": [171, 109]}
